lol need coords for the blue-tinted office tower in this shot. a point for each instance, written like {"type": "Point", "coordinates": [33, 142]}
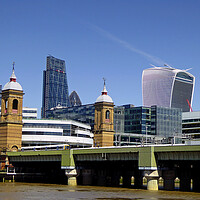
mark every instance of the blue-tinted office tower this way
{"type": "Point", "coordinates": [55, 87]}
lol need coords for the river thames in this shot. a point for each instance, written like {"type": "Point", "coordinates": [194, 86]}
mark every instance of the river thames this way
{"type": "Point", "coordinates": [34, 191]}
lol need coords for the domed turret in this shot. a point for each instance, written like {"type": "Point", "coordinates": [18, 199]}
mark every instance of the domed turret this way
{"type": "Point", "coordinates": [103, 121]}
{"type": "Point", "coordinates": [13, 84]}
{"type": "Point", "coordinates": [11, 115]}
{"type": "Point", "coordinates": [104, 97]}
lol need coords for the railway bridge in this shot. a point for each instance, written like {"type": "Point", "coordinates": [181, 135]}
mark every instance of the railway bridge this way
{"type": "Point", "coordinates": [106, 166]}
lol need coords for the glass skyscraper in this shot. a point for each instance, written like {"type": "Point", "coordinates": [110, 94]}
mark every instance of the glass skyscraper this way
{"type": "Point", "coordinates": [166, 122]}
{"type": "Point", "coordinates": [55, 87]}
{"type": "Point", "coordinates": [74, 99]}
{"type": "Point", "coordinates": [167, 87]}
{"type": "Point", "coordinates": [137, 119]}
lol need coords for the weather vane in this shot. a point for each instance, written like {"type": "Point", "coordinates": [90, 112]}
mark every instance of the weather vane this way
{"type": "Point", "coordinates": [104, 81]}
{"type": "Point", "coordinates": [13, 65]}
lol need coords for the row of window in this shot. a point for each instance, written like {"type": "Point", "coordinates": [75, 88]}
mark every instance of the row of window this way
{"type": "Point", "coordinates": [29, 111]}
{"type": "Point", "coordinates": [54, 133]}
{"type": "Point", "coordinates": [14, 104]}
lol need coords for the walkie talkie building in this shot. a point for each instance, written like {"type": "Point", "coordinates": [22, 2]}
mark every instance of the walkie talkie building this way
{"type": "Point", "coordinates": [167, 87]}
{"type": "Point", "coordinates": [55, 87]}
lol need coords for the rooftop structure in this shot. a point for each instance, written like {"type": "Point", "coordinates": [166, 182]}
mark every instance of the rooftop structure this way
{"type": "Point", "coordinates": [13, 84]}
{"type": "Point", "coordinates": [104, 97]}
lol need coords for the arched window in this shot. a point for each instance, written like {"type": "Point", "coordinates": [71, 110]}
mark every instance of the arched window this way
{"type": "Point", "coordinates": [6, 105]}
{"type": "Point", "coordinates": [107, 114]}
{"type": "Point", "coordinates": [15, 104]}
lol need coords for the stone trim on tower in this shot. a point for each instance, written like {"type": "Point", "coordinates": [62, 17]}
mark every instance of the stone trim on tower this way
{"type": "Point", "coordinates": [11, 115]}
{"type": "Point", "coordinates": [103, 125]}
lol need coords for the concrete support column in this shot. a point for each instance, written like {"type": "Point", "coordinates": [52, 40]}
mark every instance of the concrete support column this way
{"type": "Point", "coordinates": [168, 176]}
{"type": "Point", "coordinates": [152, 177]}
{"type": "Point", "coordinates": [71, 175]}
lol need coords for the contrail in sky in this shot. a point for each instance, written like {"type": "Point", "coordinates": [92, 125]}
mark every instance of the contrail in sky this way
{"type": "Point", "coordinates": [126, 45]}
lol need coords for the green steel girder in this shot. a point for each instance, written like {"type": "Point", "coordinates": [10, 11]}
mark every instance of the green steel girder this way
{"type": "Point", "coordinates": [147, 156]}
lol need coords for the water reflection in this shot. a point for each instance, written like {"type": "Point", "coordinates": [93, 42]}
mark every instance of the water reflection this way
{"type": "Point", "coordinates": [29, 191]}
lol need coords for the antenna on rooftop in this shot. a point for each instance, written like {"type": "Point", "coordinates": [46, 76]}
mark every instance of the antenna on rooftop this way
{"type": "Point", "coordinates": [188, 69]}
{"type": "Point", "coordinates": [153, 65]}
{"type": "Point", "coordinates": [167, 65]}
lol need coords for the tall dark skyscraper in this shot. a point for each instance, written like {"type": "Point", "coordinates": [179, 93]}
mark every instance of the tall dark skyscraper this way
{"type": "Point", "coordinates": [55, 87]}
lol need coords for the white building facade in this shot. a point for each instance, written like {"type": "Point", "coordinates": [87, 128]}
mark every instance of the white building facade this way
{"type": "Point", "coordinates": [54, 132]}
{"type": "Point", "coordinates": [167, 87]}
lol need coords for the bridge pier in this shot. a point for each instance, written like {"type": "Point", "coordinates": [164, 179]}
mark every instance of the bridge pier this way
{"type": "Point", "coordinates": [148, 163]}
{"type": "Point", "coordinates": [152, 177]}
{"type": "Point", "coordinates": [168, 176]}
{"type": "Point", "coordinates": [71, 175]}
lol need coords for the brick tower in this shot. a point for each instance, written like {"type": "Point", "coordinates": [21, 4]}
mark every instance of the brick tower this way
{"type": "Point", "coordinates": [11, 115]}
{"type": "Point", "coordinates": [103, 125]}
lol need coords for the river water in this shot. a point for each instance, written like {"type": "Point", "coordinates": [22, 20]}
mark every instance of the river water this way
{"type": "Point", "coordinates": [32, 191]}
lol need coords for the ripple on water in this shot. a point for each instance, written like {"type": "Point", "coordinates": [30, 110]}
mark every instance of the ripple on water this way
{"type": "Point", "coordinates": [119, 198]}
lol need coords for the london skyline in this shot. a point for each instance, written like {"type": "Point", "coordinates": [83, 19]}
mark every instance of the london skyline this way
{"type": "Point", "coordinates": [112, 39]}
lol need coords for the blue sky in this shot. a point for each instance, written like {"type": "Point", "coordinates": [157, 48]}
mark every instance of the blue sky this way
{"type": "Point", "coordinates": [115, 39]}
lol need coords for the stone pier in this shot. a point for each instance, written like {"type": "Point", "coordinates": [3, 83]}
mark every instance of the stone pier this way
{"type": "Point", "coordinates": [147, 163]}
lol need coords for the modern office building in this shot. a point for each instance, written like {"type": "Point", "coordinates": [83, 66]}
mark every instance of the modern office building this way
{"type": "Point", "coordinates": [74, 99]}
{"type": "Point", "coordinates": [85, 114]}
{"type": "Point", "coordinates": [137, 119]}
{"type": "Point", "coordinates": [55, 87]}
{"type": "Point", "coordinates": [119, 119]}
{"type": "Point", "coordinates": [167, 123]}
{"type": "Point", "coordinates": [53, 132]}
{"type": "Point", "coordinates": [132, 125]}
{"type": "Point", "coordinates": [167, 87]}
{"type": "Point", "coordinates": [29, 113]}
{"type": "Point", "coordinates": [191, 127]}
